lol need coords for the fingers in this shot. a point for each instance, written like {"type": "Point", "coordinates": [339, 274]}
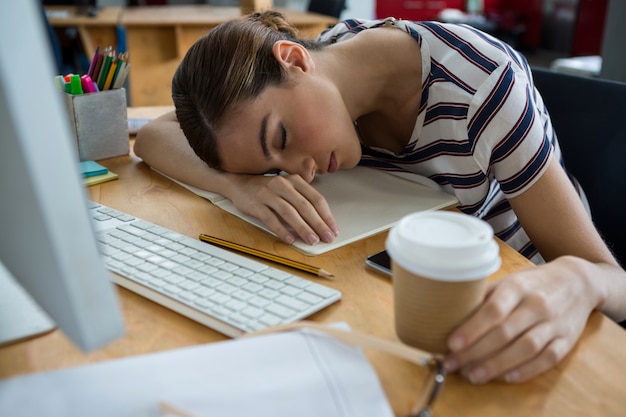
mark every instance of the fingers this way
{"type": "Point", "coordinates": [525, 326]}
{"type": "Point", "coordinates": [289, 207]}
{"type": "Point", "coordinates": [554, 353]}
{"type": "Point", "coordinates": [305, 210]}
{"type": "Point", "coordinates": [530, 355]}
{"type": "Point", "coordinates": [499, 302]}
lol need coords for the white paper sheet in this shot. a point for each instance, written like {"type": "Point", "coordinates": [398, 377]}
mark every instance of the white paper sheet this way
{"type": "Point", "coordinates": [302, 374]}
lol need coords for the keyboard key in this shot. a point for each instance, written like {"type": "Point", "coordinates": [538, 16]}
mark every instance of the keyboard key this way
{"type": "Point", "coordinates": [203, 291]}
{"type": "Point", "coordinates": [270, 320]}
{"type": "Point", "coordinates": [188, 285]}
{"type": "Point", "coordinates": [276, 274]}
{"type": "Point", "coordinates": [242, 295]}
{"type": "Point", "coordinates": [289, 290]}
{"type": "Point", "coordinates": [259, 302]}
{"type": "Point", "coordinates": [298, 282]}
{"type": "Point", "coordinates": [174, 279]}
{"type": "Point", "coordinates": [309, 298]}
{"type": "Point", "coordinates": [292, 303]}
{"type": "Point", "coordinates": [323, 292]}
{"type": "Point", "coordinates": [252, 312]}
{"type": "Point", "coordinates": [275, 285]}
{"type": "Point", "coordinates": [280, 310]}
{"type": "Point", "coordinates": [269, 294]}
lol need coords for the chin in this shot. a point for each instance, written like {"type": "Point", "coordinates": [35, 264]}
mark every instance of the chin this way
{"type": "Point", "coordinates": [351, 163]}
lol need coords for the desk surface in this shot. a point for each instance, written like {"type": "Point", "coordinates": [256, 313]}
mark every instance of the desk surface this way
{"type": "Point", "coordinates": [590, 381]}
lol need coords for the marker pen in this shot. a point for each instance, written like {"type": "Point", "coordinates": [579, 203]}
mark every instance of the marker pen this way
{"type": "Point", "coordinates": [87, 83]}
{"type": "Point", "coordinates": [75, 83]}
{"type": "Point", "coordinates": [60, 82]}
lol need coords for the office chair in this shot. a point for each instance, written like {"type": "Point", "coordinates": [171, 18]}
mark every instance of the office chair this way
{"type": "Point", "coordinates": [327, 7]}
{"type": "Point", "coordinates": [589, 117]}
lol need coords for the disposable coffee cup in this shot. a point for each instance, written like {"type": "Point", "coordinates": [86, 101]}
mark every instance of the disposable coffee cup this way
{"type": "Point", "coordinates": [440, 263]}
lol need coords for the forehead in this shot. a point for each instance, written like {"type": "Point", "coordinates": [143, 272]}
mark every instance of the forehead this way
{"type": "Point", "coordinates": [238, 138]}
{"type": "Point", "coordinates": [245, 113]}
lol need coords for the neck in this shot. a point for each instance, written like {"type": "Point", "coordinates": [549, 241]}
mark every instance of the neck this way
{"type": "Point", "coordinates": [376, 72]}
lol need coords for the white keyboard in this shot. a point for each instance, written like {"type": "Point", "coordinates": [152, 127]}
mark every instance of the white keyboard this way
{"type": "Point", "coordinates": [218, 288]}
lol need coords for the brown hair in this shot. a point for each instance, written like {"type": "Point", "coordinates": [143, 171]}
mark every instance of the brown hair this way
{"type": "Point", "coordinates": [231, 63]}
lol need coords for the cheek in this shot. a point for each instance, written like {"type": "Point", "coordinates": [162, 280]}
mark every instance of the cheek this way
{"type": "Point", "coordinates": [317, 137]}
{"type": "Point", "coordinates": [311, 130]}
{"type": "Point", "coordinates": [324, 125]}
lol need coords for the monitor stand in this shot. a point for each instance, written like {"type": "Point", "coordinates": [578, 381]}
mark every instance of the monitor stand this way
{"type": "Point", "coordinates": [20, 316]}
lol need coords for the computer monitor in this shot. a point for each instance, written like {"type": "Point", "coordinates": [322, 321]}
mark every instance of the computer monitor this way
{"type": "Point", "coordinates": [47, 242]}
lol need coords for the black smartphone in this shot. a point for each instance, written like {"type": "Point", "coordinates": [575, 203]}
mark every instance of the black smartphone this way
{"type": "Point", "coordinates": [379, 262]}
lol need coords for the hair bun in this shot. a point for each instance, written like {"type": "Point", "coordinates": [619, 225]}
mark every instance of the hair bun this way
{"type": "Point", "coordinates": [275, 21]}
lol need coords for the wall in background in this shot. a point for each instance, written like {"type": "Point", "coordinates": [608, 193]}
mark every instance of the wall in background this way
{"type": "Point", "coordinates": [613, 52]}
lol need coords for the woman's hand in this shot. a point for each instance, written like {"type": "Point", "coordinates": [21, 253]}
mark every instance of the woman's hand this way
{"type": "Point", "coordinates": [528, 322]}
{"type": "Point", "coordinates": [286, 205]}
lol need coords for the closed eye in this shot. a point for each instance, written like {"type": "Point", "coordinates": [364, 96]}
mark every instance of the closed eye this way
{"type": "Point", "coordinates": [283, 132]}
{"type": "Point", "coordinates": [282, 145]}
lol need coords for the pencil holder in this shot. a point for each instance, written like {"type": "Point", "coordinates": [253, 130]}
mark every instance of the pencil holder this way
{"type": "Point", "coordinates": [100, 124]}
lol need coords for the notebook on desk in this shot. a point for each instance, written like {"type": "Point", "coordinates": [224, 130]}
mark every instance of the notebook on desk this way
{"type": "Point", "coordinates": [364, 202]}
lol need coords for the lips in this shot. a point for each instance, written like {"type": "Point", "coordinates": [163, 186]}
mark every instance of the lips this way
{"type": "Point", "coordinates": [332, 164]}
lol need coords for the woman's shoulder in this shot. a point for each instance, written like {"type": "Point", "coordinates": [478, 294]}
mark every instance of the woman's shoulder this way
{"type": "Point", "coordinates": [349, 28]}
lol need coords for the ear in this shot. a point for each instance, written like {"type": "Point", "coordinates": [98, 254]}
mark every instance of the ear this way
{"type": "Point", "coordinates": [293, 55]}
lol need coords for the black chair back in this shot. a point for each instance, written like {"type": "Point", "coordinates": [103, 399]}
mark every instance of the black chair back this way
{"type": "Point", "coordinates": [589, 117]}
{"type": "Point", "coordinates": [327, 7]}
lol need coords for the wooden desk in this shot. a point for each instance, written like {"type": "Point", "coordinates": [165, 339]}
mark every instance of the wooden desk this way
{"type": "Point", "coordinates": [158, 38]}
{"type": "Point", "coordinates": [589, 382]}
{"type": "Point", "coordinates": [99, 30]}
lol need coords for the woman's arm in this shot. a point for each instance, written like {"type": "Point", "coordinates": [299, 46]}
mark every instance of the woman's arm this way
{"type": "Point", "coordinates": [530, 320]}
{"type": "Point", "coordinates": [162, 145]}
{"type": "Point", "coordinates": [273, 200]}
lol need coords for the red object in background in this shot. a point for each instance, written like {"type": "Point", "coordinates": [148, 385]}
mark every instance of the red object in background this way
{"type": "Point", "coordinates": [415, 9]}
{"type": "Point", "coordinates": [510, 14]}
{"type": "Point", "coordinates": [528, 13]}
{"type": "Point", "coordinates": [589, 30]}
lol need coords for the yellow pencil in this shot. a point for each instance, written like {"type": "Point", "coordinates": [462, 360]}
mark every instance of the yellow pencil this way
{"type": "Point", "coordinates": [109, 78]}
{"type": "Point", "coordinates": [264, 255]}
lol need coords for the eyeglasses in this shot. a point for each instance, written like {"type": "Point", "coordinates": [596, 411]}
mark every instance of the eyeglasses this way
{"type": "Point", "coordinates": [433, 382]}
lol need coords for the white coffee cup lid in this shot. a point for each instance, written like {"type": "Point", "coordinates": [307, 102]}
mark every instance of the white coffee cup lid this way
{"type": "Point", "coordinates": [444, 245]}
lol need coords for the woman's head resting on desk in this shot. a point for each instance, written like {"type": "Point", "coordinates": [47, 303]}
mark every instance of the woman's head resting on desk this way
{"type": "Point", "coordinates": [250, 99]}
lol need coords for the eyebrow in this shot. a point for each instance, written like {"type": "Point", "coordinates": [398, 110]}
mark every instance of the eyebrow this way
{"type": "Point", "coordinates": [263, 137]}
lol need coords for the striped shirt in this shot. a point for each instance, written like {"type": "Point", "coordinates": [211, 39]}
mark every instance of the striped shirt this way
{"type": "Point", "coordinates": [482, 132]}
